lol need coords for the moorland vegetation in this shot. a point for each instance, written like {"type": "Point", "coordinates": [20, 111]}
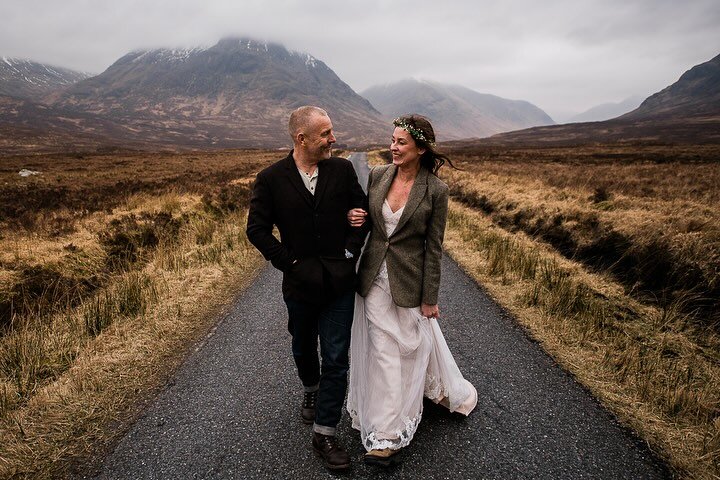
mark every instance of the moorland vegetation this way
{"type": "Point", "coordinates": [608, 255]}
{"type": "Point", "coordinates": [110, 265]}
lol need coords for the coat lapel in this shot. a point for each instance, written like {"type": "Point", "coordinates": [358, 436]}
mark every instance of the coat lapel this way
{"type": "Point", "coordinates": [380, 192]}
{"type": "Point", "coordinates": [294, 176]}
{"type": "Point", "coordinates": [417, 193]}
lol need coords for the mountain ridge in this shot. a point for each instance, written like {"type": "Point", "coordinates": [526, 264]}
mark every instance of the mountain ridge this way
{"type": "Point", "coordinates": [456, 111]}
{"type": "Point", "coordinates": [235, 93]}
{"type": "Point", "coordinates": [239, 92]}
{"type": "Point", "coordinates": [608, 110]}
{"type": "Point", "coordinates": [696, 93]}
{"type": "Point", "coordinates": [687, 111]}
{"type": "Point", "coordinates": [27, 79]}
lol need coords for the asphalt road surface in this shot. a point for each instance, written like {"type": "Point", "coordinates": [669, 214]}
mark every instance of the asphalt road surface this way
{"type": "Point", "coordinates": [233, 408]}
{"type": "Point", "coordinates": [359, 161]}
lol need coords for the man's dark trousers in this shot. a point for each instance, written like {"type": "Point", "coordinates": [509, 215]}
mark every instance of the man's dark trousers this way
{"type": "Point", "coordinates": [331, 324]}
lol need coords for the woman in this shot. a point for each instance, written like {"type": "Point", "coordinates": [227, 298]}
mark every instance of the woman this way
{"type": "Point", "coordinates": [398, 353]}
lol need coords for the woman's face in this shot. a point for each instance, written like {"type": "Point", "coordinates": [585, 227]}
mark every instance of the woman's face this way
{"type": "Point", "coordinates": [405, 151]}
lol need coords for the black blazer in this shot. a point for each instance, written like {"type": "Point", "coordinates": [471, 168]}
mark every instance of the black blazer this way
{"type": "Point", "coordinates": [314, 230]}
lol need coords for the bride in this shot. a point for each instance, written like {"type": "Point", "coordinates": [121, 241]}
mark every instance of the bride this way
{"type": "Point", "coordinates": [398, 353]}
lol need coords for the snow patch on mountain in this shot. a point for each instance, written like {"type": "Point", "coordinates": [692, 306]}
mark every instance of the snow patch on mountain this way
{"type": "Point", "coordinates": [22, 78]}
{"type": "Point", "coordinates": [169, 55]}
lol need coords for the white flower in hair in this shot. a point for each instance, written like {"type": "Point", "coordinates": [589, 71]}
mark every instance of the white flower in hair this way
{"type": "Point", "coordinates": [416, 133]}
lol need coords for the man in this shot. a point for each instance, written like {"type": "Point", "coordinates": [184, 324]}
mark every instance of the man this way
{"type": "Point", "coordinates": [307, 196]}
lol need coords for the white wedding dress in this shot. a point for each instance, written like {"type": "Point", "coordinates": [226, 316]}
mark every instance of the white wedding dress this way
{"type": "Point", "coordinates": [397, 356]}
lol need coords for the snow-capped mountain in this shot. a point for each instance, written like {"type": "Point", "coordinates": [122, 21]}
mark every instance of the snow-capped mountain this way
{"type": "Point", "coordinates": [31, 80]}
{"type": "Point", "coordinates": [238, 92]}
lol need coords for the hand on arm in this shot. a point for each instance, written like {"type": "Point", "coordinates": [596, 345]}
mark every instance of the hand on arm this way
{"type": "Point", "coordinates": [356, 217]}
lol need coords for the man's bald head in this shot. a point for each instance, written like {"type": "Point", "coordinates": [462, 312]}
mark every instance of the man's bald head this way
{"type": "Point", "coordinates": [300, 119]}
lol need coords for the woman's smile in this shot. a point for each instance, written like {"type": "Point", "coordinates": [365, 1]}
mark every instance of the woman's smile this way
{"type": "Point", "coordinates": [403, 148]}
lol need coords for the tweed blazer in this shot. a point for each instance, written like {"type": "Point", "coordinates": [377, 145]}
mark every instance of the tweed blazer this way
{"type": "Point", "coordinates": [414, 250]}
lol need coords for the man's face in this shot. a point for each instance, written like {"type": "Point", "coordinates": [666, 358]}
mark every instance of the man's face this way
{"type": "Point", "coordinates": [319, 138]}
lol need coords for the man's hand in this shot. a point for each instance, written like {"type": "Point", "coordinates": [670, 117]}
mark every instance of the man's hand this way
{"type": "Point", "coordinates": [356, 217]}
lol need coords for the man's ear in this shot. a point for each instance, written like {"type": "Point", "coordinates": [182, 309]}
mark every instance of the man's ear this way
{"type": "Point", "coordinates": [300, 137]}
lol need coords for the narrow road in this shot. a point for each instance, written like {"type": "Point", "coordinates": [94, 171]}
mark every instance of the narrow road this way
{"type": "Point", "coordinates": [359, 161]}
{"type": "Point", "coordinates": [232, 409]}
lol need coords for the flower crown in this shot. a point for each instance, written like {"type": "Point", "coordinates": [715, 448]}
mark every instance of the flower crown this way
{"type": "Point", "coordinates": [416, 133]}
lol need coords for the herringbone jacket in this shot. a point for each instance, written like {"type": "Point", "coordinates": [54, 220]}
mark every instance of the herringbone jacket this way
{"type": "Point", "coordinates": [414, 250]}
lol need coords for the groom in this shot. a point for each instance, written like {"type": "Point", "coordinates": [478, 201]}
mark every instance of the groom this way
{"type": "Point", "coordinates": [307, 196]}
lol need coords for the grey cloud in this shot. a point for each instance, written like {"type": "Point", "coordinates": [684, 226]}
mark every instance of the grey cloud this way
{"type": "Point", "coordinates": [563, 55]}
{"type": "Point", "coordinates": [647, 21]}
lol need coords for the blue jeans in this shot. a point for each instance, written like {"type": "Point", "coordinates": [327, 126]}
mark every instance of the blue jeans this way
{"type": "Point", "coordinates": [332, 324]}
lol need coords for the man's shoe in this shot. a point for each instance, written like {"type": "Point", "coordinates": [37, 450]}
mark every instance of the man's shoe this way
{"type": "Point", "coordinates": [326, 446]}
{"type": "Point", "coordinates": [307, 411]}
{"type": "Point", "coordinates": [382, 458]}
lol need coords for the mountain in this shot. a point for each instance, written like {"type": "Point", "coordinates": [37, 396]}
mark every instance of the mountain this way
{"type": "Point", "coordinates": [606, 111]}
{"type": "Point", "coordinates": [688, 111]}
{"type": "Point", "coordinates": [455, 111]}
{"type": "Point", "coordinates": [31, 80]}
{"type": "Point", "coordinates": [695, 94]}
{"type": "Point", "coordinates": [237, 93]}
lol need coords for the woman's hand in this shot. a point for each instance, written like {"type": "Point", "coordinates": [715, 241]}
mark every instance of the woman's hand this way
{"type": "Point", "coordinates": [356, 217]}
{"type": "Point", "coordinates": [430, 311]}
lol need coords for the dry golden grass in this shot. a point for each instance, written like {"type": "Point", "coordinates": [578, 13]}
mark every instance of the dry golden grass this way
{"type": "Point", "coordinates": [654, 226]}
{"type": "Point", "coordinates": [104, 259]}
{"type": "Point", "coordinates": [101, 311]}
{"type": "Point", "coordinates": [378, 157]}
{"type": "Point", "coordinates": [69, 187]}
{"type": "Point", "coordinates": [541, 231]}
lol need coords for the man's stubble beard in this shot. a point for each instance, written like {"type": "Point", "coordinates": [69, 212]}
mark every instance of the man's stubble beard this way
{"type": "Point", "coordinates": [326, 153]}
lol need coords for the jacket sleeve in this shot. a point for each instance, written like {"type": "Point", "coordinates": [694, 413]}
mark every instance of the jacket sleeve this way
{"type": "Point", "coordinates": [358, 199]}
{"type": "Point", "coordinates": [261, 219]}
{"type": "Point", "coordinates": [433, 248]}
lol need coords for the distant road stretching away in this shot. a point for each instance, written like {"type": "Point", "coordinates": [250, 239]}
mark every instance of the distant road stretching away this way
{"type": "Point", "coordinates": [359, 161]}
{"type": "Point", "coordinates": [233, 408]}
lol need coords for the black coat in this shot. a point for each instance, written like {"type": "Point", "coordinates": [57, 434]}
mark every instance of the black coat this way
{"type": "Point", "coordinates": [314, 231]}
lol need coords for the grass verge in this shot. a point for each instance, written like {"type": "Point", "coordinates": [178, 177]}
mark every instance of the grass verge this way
{"type": "Point", "coordinates": [656, 368]}
{"type": "Point", "coordinates": [71, 368]}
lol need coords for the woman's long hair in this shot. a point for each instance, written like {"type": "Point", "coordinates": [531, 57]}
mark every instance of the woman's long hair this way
{"type": "Point", "coordinates": [424, 137]}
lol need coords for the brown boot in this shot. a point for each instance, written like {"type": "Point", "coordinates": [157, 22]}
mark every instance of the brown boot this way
{"type": "Point", "coordinates": [326, 446]}
{"type": "Point", "coordinates": [307, 410]}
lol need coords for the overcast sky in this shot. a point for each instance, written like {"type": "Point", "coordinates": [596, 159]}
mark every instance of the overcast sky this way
{"type": "Point", "coordinates": [564, 56]}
